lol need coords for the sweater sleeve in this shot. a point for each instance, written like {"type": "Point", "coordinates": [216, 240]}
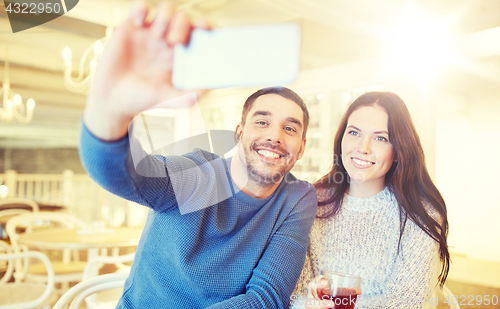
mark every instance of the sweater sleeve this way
{"type": "Point", "coordinates": [415, 273]}
{"type": "Point", "coordinates": [276, 274]}
{"type": "Point", "coordinates": [125, 169]}
{"type": "Point", "coordinates": [306, 276]}
{"type": "Point", "coordinates": [110, 165]}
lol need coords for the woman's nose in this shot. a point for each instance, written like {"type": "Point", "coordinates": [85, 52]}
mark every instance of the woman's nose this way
{"type": "Point", "coordinates": [365, 146]}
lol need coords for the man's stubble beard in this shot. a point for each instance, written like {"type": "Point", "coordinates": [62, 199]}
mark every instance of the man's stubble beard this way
{"type": "Point", "coordinates": [259, 177]}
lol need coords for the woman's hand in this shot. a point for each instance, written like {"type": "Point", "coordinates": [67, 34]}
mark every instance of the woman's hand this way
{"type": "Point", "coordinates": [313, 300]}
{"type": "Point", "coordinates": [135, 70]}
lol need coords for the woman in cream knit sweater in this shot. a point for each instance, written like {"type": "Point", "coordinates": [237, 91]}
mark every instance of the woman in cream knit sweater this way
{"type": "Point", "coordinates": [380, 216]}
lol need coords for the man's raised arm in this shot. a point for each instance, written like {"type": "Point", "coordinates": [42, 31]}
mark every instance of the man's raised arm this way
{"type": "Point", "coordinates": [135, 70]}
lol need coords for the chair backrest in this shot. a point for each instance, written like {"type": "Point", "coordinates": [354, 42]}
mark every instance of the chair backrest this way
{"type": "Point", "coordinates": [38, 219]}
{"type": "Point", "coordinates": [82, 290]}
{"type": "Point", "coordinates": [110, 298]}
{"type": "Point", "coordinates": [6, 214]}
{"type": "Point", "coordinates": [20, 203]}
{"type": "Point", "coordinates": [27, 254]}
{"type": "Point", "coordinates": [10, 207]}
{"type": "Point", "coordinates": [5, 248]}
{"type": "Point", "coordinates": [116, 260]}
{"type": "Point", "coordinates": [13, 212]}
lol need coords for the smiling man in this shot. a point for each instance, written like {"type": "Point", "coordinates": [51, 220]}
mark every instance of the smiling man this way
{"type": "Point", "coordinates": [243, 251]}
{"type": "Point", "coordinates": [272, 133]}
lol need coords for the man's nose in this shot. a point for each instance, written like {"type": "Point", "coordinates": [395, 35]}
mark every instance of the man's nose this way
{"type": "Point", "coordinates": [275, 135]}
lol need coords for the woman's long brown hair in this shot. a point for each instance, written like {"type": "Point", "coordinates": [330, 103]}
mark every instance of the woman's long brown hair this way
{"type": "Point", "coordinates": [408, 178]}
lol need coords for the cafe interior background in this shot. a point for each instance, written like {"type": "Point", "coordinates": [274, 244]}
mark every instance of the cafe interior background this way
{"type": "Point", "coordinates": [442, 57]}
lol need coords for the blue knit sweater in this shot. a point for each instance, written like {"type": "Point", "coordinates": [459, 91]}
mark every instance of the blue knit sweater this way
{"type": "Point", "coordinates": [242, 252]}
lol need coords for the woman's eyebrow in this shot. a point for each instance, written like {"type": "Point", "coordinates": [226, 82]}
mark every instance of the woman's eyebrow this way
{"type": "Point", "coordinates": [354, 127]}
{"type": "Point", "coordinates": [377, 132]}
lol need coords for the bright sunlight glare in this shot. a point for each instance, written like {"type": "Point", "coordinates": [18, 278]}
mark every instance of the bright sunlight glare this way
{"type": "Point", "coordinates": [418, 46]}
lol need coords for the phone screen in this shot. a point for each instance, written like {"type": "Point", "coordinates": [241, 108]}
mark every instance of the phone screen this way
{"type": "Point", "coordinates": [264, 55]}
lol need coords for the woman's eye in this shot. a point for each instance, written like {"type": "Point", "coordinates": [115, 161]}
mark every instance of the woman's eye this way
{"type": "Point", "coordinates": [353, 133]}
{"type": "Point", "coordinates": [381, 139]}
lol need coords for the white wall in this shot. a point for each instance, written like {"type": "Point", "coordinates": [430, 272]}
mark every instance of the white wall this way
{"type": "Point", "coordinates": [467, 151]}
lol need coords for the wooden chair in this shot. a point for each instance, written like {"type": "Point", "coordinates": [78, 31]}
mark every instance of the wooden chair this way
{"type": "Point", "coordinates": [5, 215]}
{"type": "Point", "coordinates": [12, 207]}
{"type": "Point", "coordinates": [82, 290]}
{"type": "Point", "coordinates": [67, 269]}
{"type": "Point", "coordinates": [22, 294]}
{"type": "Point", "coordinates": [19, 203]}
{"type": "Point", "coordinates": [108, 298]}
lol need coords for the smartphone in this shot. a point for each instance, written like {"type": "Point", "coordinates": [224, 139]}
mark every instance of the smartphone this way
{"type": "Point", "coordinates": [246, 56]}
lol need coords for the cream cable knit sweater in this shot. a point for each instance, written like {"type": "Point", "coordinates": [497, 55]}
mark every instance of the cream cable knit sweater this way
{"type": "Point", "coordinates": [362, 239]}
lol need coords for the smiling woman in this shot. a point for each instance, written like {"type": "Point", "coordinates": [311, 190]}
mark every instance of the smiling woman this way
{"type": "Point", "coordinates": [367, 154]}
{"type": "Point", "coordinates": [383, 220]}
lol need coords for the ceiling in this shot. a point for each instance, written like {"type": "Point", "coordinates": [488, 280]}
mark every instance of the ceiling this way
{"type": "Point", "coordinates": [333, 32]}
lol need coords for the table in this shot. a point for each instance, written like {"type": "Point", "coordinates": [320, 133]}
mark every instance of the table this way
{"type": "Point", "coordinates": [61, 238]}
{"type": "Point", "coordinates": [41, 207]}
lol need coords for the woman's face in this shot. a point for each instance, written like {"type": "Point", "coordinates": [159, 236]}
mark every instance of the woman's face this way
{"type": "Point", "coordinates": [367, 154]}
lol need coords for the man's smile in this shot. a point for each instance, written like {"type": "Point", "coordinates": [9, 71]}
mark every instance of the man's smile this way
{"type": "Point", "coordinates": [269, 154]}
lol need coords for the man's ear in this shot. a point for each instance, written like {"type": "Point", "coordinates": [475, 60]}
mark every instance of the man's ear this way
{"type": "Point", "coordinates": [237, 132]}
{"type": "Point", "coordinates": [302, 149]}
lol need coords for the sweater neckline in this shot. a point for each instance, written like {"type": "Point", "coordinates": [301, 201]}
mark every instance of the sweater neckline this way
{"type": "Point", "coordinates": [367, 203]}
{"type": "Point", "coordinates": [242, 196]}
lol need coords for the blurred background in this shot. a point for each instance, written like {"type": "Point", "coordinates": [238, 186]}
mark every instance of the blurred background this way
{"type": "Point", "coordinates": [441, 56]}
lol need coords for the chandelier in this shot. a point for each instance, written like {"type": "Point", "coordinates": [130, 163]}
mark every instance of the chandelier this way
{"type": "Point", "coordinates": [13, 107]}
{"type": "Point", "coordinates": [86, 69]}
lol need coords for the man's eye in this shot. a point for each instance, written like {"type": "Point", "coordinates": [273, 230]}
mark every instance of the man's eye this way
{"type": "Point", "coordinates": [262, 123]}
{"type": "Point", "coordinates": [290, 129]}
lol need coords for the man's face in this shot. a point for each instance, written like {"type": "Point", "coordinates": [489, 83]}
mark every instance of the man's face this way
{"type": "Point", "coordinates": [271, 138]}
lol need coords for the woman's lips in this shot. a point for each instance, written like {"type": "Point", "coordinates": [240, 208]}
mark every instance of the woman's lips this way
{"type": "Point", "coordinates": [361, 164]}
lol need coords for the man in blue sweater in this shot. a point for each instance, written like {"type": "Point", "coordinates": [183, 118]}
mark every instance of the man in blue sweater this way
{"type": "Point", "coordinates": [244, 251]}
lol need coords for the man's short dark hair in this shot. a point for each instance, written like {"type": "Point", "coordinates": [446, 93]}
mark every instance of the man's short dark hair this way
{"type": "Point", "coordinates": [281, 91]}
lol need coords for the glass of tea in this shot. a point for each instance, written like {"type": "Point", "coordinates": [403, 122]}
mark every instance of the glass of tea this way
{"type": "Point", "coordinates": [342, 289]}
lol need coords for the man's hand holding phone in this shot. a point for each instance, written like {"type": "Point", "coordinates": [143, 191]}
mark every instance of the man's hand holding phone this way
{"type": "Point", "coordinates": [144, 59]}
{"type": "Point", "coordinates": [135, 70]}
